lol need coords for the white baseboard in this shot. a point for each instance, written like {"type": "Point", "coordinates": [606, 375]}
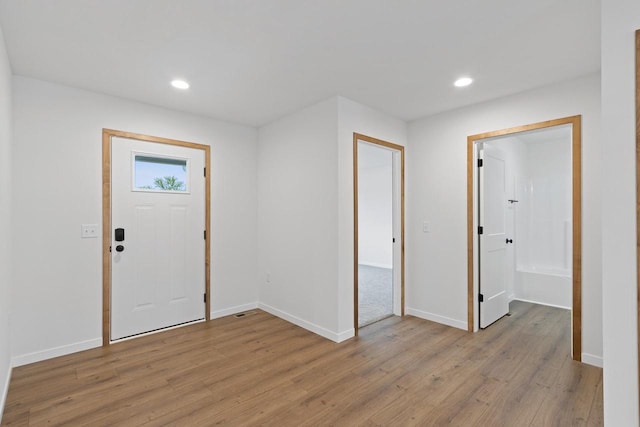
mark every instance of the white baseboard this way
{"type": "Point", "coordinates": [5, 391]}
{"type": "Point", "coordinates": [233, 310]}
{"type": "Point", "coordinates": [316, 329]}
{"type": "Point", "coordinates": [345, 335]}
{"type": "Point", "coordinates": [436, 318]}
{"type": "Point", "coordinates": [541, 303]}
{"type": "Point", "coordinates": [590, 359]}
{"type": "Point", "coordinates": [37, 356]}
{"type": "Point", "coordinates": [375, 264]}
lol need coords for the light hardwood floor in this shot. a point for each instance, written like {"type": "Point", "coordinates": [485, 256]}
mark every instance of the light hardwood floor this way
{"type": "Point", "coordinates": [260, 370]}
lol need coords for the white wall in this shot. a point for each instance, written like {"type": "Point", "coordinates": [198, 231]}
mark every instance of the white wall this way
{"type": "Point", "coordinates": [437, 261]}
{"type": "Point", "coordinates": [57, 186]}
{"type": "Point", "coordinates": [298, 219]}
{"type": "Point", "coordinates": [620, 18]}
{"type": "Point", "coordinates": [544, 210]}
{"type": "Point", "coordinates": [6, 278]}
{"type": "Point", "coordinates": [305, 211]}
{"type": "Point", "coordinates": [375, 213]}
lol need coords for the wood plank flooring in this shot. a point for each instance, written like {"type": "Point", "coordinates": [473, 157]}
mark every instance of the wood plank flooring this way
{"type": "Point", "coordinates": [261, 370]}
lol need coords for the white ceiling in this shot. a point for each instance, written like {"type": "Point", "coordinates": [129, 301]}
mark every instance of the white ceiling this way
{"type": "Point", "coordinates": [555, 133]}
{"type": "Point", "coordinates": [253, 61]}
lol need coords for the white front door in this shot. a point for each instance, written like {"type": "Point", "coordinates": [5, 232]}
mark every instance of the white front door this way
{"type": "Point", "coordinates": [158, 246]}
{"type": "Point", "coordinates": [494, 302]}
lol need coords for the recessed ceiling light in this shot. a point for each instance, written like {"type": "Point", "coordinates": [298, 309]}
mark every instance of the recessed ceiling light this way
{"type": "Point", "coordinates": [463, 81]}
{"type": "Point", "coordinates": [180, 84]}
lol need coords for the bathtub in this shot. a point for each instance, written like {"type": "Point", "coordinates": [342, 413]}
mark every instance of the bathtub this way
{"type": "Point", "coordinates": [543, 286]}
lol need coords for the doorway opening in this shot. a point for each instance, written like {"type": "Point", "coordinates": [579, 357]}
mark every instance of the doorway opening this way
{"type": "Point", "coordinates": [156, 248]}
{"type": "Point", "coordinates": [524, 221]}
{"type": "Point", "coordinates": [378, 230]}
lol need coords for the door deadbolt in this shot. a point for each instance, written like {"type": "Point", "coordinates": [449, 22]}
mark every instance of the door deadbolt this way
{"type": "Point", "coordinates": [119, 248]}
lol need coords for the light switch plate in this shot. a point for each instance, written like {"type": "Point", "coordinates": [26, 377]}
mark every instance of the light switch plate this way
{"type": "Point", "coordinates": [426, 227]}
{"type": "Point", "coordinates": [89, 231]}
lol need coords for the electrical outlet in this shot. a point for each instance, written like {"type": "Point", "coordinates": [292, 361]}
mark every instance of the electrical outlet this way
{"type": "Point", "coordinates": [89, 231]}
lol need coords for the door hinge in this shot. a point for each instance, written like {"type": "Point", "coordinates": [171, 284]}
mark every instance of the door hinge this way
{"type": "Point", "coordinates": [205, 298]}
{"type": "Point", "coordinates": [205, 234]}
{"type": "Point", "coordinates": [205, 171]}
{"type": "Point", "coordinates": [480, 229]}
{"type": "Point", "coordinates": [480, 297]}
{"type": "Point", "coordinates": [480, 163]}
{"type": "Point", "coordinates": [109, 248]}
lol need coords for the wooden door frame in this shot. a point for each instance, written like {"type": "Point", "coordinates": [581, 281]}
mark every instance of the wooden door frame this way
{"type": "Point", "coordinates": [576, 191]}
{"type": "Point", "coordinates": [638, 196]}
{"type": "Point", "coordinates": [400, 149]}
{"type": "Point", "coordinates": [107, 135]}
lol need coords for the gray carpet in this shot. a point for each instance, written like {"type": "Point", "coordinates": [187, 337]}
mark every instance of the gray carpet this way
{"type": "Point", "coordinates": [375, 294]}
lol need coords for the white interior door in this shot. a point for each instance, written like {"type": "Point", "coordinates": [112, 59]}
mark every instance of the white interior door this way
{"type": "Point", "coordinates": [378, 236]}
{"type": "Point", "coordinates": [397, 234]}
{"type": "Point", "coordinates": [158, 259]}
{"type": "Point", "coordinates": [494, 301]}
